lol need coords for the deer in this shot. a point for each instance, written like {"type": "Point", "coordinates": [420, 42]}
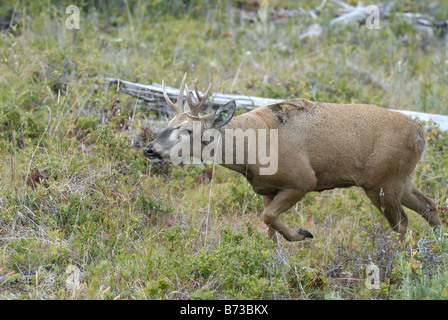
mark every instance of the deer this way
{"type": "Point", "coordinates": [321, 146]}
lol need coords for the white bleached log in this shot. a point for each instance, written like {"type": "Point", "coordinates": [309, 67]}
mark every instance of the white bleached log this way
{"type": "Point", "coordinates": [152, 93]}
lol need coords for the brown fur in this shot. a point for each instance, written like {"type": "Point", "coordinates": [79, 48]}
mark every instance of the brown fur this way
{"type": "Point", "coordinates": [324, 146]}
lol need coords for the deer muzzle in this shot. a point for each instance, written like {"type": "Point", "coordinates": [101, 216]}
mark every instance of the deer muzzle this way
{"type": "Point", "coordinates": [150, 153]}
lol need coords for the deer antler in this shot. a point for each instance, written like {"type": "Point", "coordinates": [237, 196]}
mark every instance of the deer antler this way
{"type": "Point", "coordinates": [196, 107]}
{"type": "Point", "coordinates": [179, 106]}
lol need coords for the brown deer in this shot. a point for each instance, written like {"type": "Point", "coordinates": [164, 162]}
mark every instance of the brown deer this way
{"type": "Point", "coordinates": [321, 146]}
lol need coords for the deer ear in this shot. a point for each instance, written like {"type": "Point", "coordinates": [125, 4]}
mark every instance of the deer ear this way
{"type": "Point", "coordinates": [223, 115]}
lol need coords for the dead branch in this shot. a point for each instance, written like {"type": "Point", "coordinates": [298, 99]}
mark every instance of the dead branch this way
{"type": "Point", "coordinates": [152, 94]}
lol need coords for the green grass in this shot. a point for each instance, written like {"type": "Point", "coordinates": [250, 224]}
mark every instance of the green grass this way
{"type": "Point", "coordinates": [75, 189]}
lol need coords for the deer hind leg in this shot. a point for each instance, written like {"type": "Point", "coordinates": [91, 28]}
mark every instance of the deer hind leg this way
{"type": "Point", "coordinates": [278, 204]}
{"type": "Point", "coordinates": [388, 201]}
{"type": "Point", "coordinates": [418, 202]}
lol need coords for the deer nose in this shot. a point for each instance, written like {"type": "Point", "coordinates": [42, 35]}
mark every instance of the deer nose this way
{"type": "Point", "coordinates": [148, 151]}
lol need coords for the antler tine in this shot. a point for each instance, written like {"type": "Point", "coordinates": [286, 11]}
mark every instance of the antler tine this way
{"type": "Point", "coordinates": [195, 107]}
{"type": "Point", "coordinates": [179, 106]}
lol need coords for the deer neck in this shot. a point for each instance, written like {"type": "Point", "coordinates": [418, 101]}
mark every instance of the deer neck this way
{"type": "Point", "coordinates": [235, 138]}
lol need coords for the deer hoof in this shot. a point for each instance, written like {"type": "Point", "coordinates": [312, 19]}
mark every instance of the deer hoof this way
{"type": "Point", "coordinates": [306, 233]}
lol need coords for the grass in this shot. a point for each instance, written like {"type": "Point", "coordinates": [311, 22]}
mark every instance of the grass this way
{"type": "Point", "coordinates": [84, 216]}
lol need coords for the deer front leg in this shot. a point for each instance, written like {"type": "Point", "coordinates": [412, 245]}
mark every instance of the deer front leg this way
{"type": "Point", "coordinates": [278, 204]}
{"type": "Point", "coordinates": [272, 233]}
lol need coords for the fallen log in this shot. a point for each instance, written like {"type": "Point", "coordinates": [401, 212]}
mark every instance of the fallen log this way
{"type": "Point", "coordinates": [152, 94]}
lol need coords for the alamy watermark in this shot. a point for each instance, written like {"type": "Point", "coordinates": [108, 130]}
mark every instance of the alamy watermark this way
{"type": "Point", "coordinates": [373, 18]}
{"type": "Point", "coordinates": [234, 146]}
{"type": "Point", "coordinates": [72, 21]}
{"type": "Point", "coordinates": [73, 280]}
{"type": "Point", "coordinates": [372, 276]}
